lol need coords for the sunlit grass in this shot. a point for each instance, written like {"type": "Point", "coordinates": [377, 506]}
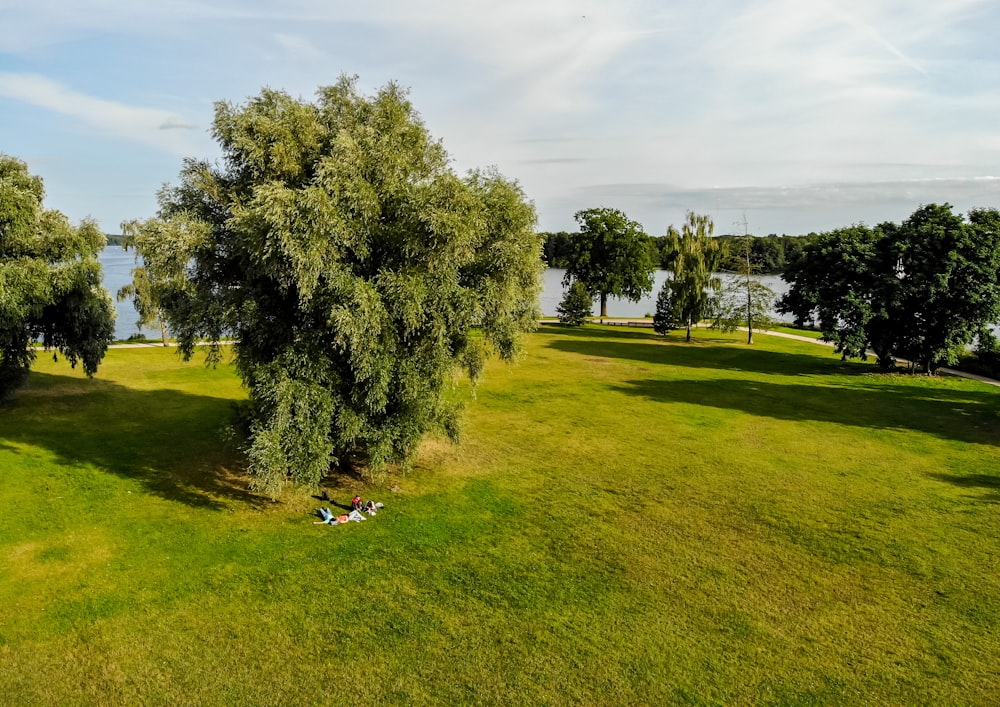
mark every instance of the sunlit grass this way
{"type": "Point", "coordinates": [629, 519]}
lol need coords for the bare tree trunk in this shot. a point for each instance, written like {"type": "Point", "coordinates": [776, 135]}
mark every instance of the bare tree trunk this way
{"type": "Point", "coordinates": [749, 316]}
{"type": "Point", "coordinates": [163, 333]}
{"type": "Point", "coordinates": [689, 329]}
{"type": "Point", "coordinates": [604, 305]}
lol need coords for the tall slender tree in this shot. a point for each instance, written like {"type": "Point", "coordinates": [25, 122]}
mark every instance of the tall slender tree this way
{"type": "Point", "coordinates": [744, 299]}
{"type": "Point", "coordinates": [696, 257]}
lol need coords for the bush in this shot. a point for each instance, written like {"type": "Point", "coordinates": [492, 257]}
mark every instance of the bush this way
{"type": "Point", "coordinates": [666, 317]}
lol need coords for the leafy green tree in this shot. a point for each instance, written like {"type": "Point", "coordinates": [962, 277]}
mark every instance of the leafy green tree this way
{"type": "Point", "coordinates": [744, 300]}
{"type": "Point", "coordinates": [921, 290]}
{"type": "Point", "coordinates": [696, 259]}
{"type": "Point", "coordinates": [836, 285]}
{"type": "Point", "coordinates": [612, 256]}
{"type": "Point", "coordinates": [947, 279]}
{"type": "Point", "coordinates": [576, 304]}
{"type": "Point", "coordinates": [50, 281]}
{"type": "Point", "coordinates": [354, 269]}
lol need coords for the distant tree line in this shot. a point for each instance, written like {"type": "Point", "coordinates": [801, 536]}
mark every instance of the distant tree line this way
{"type": "Point", "coordinates": [769, 255]}
{"type": "Point", "coordinates": [920, 291]}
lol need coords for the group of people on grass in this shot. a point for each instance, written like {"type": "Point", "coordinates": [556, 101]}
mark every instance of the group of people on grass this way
{"type": "Point", "coordinates": [358, 509]}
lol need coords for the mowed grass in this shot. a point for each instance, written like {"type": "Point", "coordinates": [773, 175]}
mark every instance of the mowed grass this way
{"type": "Point", "coordinates": [629, 520]}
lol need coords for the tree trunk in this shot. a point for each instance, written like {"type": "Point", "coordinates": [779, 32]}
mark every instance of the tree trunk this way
{"type": "Point", "coordinates": [689, 329]}
{"type": "Point", "coordinates": [604, 305]}
{"type": "Point", "coordinates": [163, 333]}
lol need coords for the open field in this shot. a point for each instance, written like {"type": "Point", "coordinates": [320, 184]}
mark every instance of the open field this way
{"type": "Point", "coordinates": [629, 520]}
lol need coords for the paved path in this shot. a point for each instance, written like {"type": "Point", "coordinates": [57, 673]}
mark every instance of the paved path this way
{"type": "Point", "coordinates": [158, 345]}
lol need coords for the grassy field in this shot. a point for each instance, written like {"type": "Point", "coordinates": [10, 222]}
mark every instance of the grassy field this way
{"type": "Point", "coordinates": [629, 520]}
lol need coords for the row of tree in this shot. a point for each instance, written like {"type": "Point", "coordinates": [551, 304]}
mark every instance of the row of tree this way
{"type": "Point", "coordinates": [768, 254]}
{"type": "Point", "coordinates": [612, 256]}
{"type": "Point", "coordinates": [921, 290]}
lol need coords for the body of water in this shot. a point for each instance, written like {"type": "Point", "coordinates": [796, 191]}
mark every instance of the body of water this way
{"type": "Point", "coordinates": [118, 264]}
{"type": "Point", "coordinates": [552, 294]}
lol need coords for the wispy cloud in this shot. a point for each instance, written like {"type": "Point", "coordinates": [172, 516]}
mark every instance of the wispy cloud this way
{"type": "Point", "coordinates": [298, 47]}
{"type": "Point", "coordinates": [145, 125]}
{"type": "Point", "coordinates": [569, 96]}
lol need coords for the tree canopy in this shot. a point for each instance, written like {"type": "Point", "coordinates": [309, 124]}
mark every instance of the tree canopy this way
{"type": "Point", "coordinates": [355, 270]}
{"type": "Point", "coordinates": [611, 255]}
{"type": "Point", "coordinates": [50, 281]}
{"type": "Point", "coordinates": [921, 289]}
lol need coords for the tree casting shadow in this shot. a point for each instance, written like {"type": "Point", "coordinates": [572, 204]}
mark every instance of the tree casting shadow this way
{"type": "Point", "coordinates": [166, 439]}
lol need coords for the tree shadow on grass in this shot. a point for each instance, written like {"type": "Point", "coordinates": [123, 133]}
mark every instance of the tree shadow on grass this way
{"type": "Point", "coordinates": [965, 416]}
{"type": "Point", "coordinates": [166, 439]}
{"type": "Point", "coordinates": [974, 481]}
{"type": "Point", "coordinates": [703, 353]}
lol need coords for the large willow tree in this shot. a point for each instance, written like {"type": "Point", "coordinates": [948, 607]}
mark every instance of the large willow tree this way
{"type": "Point", "coordinates": [355, 270]}
{"type": "Point", "coordinates": [50, 281]}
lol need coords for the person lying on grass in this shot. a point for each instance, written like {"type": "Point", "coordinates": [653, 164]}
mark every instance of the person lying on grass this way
{"type": "Point", "coordinates": [328, 518]}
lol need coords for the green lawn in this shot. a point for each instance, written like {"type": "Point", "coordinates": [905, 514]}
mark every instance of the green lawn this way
{"type": "Point", "coordinates": [629, 520]}
{"type": "Point", "coordinates": [798, 331]}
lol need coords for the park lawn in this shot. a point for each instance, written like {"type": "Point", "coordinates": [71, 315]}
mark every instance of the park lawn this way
{"type": "Point", "coordinates": [798, 331]}
{"type": "Point", "coordinates": [628, 519]}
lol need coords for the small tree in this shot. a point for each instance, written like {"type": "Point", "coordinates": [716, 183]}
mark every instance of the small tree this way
{"type": "Point", "coordinates": [575, 306]}
{"type": "Point", "coordinates": [744, 300]}
{"type": "Point", "coordinates": [667, 317]}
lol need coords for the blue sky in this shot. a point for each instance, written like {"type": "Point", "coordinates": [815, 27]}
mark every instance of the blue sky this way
{"type": "Point", "coordinates": [804, 116]}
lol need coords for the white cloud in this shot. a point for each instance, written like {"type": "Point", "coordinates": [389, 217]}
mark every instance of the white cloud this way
{"type": "Point", "coordinates": [145, 125]}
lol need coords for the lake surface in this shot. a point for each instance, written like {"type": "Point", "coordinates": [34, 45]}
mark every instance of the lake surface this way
{"type": "Point", "coordinates": [118, 264]}
{"type": "Point", "coordinates": [552, 294]}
